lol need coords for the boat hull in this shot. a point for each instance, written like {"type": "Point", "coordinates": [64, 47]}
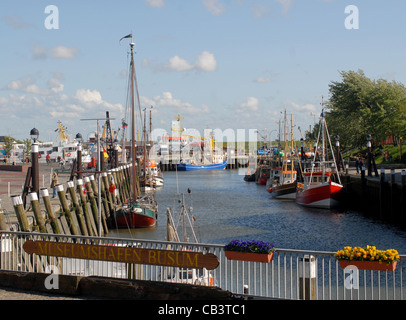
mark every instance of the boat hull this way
{"type": "Point", "coordinates": [326, 195]}
{"type": "Point", "coordinates": [283, 191]}
{"type": "Point", "coordinates": [139, 218]}
{"type": "Point", "coordinates": [195, 167]}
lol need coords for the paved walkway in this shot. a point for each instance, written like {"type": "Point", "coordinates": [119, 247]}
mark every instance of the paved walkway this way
{"type": "Point", "coordinates": [15, 294]}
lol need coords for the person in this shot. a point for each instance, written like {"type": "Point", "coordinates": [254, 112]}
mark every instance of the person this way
{"type": "Point", "coordinates": [48, 158]}
{"type": "Point", "coordinates": [357, 164]}
{"type": "Point", "coordinates": [54, 183]}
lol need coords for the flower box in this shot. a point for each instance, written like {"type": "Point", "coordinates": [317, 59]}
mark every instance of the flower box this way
{"type": "Point", "coordinates": [369, 265]}
{"type": "Point", "coordinates": [257, 251]}
{"type": "Point", "coordinates": [249, 256]}
{"type": "Point", "coordinates": [368, 258]}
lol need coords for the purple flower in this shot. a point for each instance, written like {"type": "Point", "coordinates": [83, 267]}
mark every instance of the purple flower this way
{"type": "Point", "coordinates": [250, 246]}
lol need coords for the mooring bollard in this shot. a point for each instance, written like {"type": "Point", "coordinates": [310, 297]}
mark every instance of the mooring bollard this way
{"type": "Point", "coordinates": [33, 196]}
{"type": "Point", "coordinates": [307, 278]}
{"type": "Point", "coordinates": [78, 209]}
{"type": "Point", "coordinates": [19, 210]}
{"type": "Point", "coordinates": [66, 211]}
{"type": "Point", "coordinates": [48, 207]}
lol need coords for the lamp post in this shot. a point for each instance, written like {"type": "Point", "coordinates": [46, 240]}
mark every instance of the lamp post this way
{"type": "Point", "coordinates": [369, 138]}
{"type": "Point", "coordinates": [79, 156]}
{"type": "Point", "coordinates": [337, 137]}
{"type": "Point", "coordinates": [34, 133]}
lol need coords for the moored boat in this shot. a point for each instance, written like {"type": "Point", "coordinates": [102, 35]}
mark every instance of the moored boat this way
{"type": "Point", "coordinates": [141, 211]}
{"type": "Point", "coordinates": [318, 188]}
{"type": "Point", "coordinates": [283, 181]}
{"type": "Point", "coordinates": [135, 215]}
{"type": "Point", "coordinates": [318, 191]}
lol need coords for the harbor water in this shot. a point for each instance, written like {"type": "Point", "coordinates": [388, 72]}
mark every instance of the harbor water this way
{"type": "Point", "coordinates": [225, 207]}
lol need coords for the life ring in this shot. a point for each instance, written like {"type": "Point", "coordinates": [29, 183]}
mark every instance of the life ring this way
{"type": "Point", "coordinates": [68, 154]}
{"type": "Point", "coordinates": [39, 155]}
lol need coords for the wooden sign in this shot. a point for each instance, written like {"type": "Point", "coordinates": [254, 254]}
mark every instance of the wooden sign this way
{"type": "Point", "coordinates": [169, 258]}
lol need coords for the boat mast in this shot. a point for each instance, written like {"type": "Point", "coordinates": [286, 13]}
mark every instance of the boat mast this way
{"type": "Point", "coordinates": [323, 159]}
{"type": "Point", "coordinates": [133, 169]}
{"type": "Point", "coordinates": [285, 160]}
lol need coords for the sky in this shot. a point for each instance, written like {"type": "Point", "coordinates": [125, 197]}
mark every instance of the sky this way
{"type": "Point", "coordinates": [226, 65]}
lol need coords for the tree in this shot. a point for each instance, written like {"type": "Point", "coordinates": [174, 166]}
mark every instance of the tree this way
{"type": "Point", "coordinates": [359, 106]}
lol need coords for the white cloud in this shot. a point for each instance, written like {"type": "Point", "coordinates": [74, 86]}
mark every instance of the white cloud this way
{"type": "Point", "coordinates": [167, 100]}
{"type": "Point", "coordinates": [205, 61]}
{"type": "Point", "coordinates": [251, 104]}
{"type": "Point", "coordinates": [16, 22]}
{"type": "Point", "coordinates": [214, 6]}
{"type": "Point", "coordinates": [262, 79]}
{"type": "Point", "coordinates": [305, 108]}
{"type": "Point", "coordinates": [286, 4]}
{"type": "Point", "coordinates": [179, 64]}
{"type": "Point", "coordinates": [155, 3]}
{"type": "Point", "coordinates": [58, 52]}
{"type": "Point", "coordinates": [62, 52]}
{"type": "Point", "coordinates": [52, 102]}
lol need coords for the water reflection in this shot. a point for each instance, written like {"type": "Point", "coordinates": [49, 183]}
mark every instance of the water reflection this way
{"type": "Point", "coordinates": [226, 207]}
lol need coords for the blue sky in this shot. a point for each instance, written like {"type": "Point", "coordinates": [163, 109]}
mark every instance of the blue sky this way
{"type": "Point", "coordinates": [221, 64]}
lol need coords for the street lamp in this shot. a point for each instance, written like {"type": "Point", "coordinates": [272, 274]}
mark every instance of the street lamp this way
{"type": "Point", "coordinates": [369, 138]}
{"type": "Point", "coordinates": [79, 156]}
{"type": "Point", "coordinates": [337, 137]}
{"type": "Point", "coordinates": [34, 133]}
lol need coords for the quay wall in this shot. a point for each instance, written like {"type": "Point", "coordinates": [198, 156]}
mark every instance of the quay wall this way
{"type": "Point", "coordinates": [111, 288]}
{"type": "Point", "coordinates": [382, 198]}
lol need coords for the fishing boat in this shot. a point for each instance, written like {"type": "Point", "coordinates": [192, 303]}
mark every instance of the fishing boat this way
{"type": "Point", "coordinates": [283, 180]}
{"type": "Point", "coordinates": [319, 188]}
{"type": "Point", "coordinates": [141, 210]}
{"type": "Point", "coordinates": [199, 153]}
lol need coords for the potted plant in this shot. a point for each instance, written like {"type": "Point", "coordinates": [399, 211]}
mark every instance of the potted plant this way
{"type": "Point", "coordinates": [258, 251]}
{"type": "Point", "coordinates": [368, 258]}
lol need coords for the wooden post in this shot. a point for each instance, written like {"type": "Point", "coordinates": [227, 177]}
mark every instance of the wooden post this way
{"type": "Point", "coordinates": [93, 203]}
{"type": "Point", "coordinates": [94, 185]}
{"type": "Point", "coordinates": [33, 196]}
{"type": "Point", "coordinates": [21, 216]}
{"type": "Point", "coordinates": [82, 197]}
{"type": "Point", "coordinates": [66, 211]}
{"type": "Point", "coordinates": [106, 192]}
{"type": "Point", "coordinates": [78, 209]}
{"type": "Point", "coordinates": [47, 202]}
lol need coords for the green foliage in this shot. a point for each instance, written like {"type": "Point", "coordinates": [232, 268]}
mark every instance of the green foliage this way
{"type": "Point", "coordinates": [359, 106]}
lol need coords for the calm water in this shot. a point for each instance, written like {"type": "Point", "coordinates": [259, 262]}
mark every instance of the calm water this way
{"type": "Point", "coordinates": [226, 207]}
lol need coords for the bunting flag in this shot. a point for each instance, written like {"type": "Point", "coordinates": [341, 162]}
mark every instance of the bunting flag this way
{"type": "Point", "coordinates": [127, 36]}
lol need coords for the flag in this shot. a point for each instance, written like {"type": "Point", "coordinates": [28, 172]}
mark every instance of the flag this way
{"type": "Point", "coordinates": [105, 154]}
{"type": "Point", "coordinates": [127, 36]}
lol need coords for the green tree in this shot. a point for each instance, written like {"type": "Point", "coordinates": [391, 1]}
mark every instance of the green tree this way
{"type": "Point", "coordinates": [359, 106]}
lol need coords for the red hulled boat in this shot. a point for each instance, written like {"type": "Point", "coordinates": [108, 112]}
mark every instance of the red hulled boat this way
{"type": "Point", "coordinates": [321, 186]}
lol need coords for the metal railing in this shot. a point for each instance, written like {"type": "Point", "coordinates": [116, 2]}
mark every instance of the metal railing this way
{"type": "Point", "coordinates": [292, 274]}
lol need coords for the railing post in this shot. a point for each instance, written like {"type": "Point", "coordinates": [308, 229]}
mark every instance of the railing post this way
{"type": "Point", "coordinates": [307, 278]}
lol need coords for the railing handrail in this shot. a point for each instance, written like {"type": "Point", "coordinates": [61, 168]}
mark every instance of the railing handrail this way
{"type": "Point", "coordinates": [280, 250]}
